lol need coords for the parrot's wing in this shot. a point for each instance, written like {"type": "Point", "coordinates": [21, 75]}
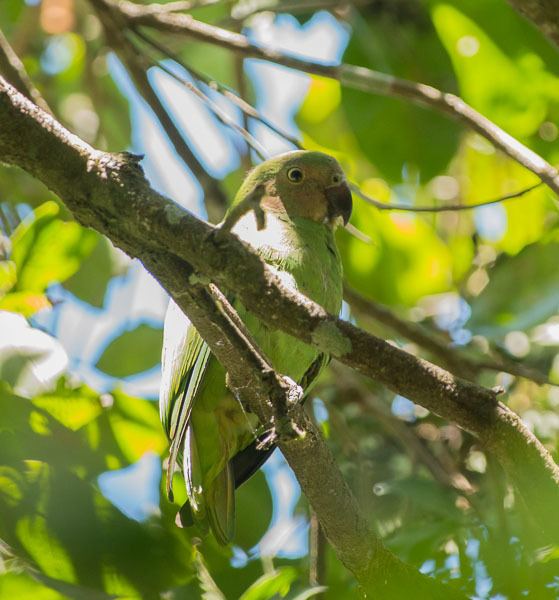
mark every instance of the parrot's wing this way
{"type": "Point", "coordinates": [249, 460]}
{"type": "Point", "coordinates": [185, 359]}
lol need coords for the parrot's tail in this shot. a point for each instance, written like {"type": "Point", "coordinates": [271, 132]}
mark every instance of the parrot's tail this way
{"type": "Point", "coordinates": [220, 505]}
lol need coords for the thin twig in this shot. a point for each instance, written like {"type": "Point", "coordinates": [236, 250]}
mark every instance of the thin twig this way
{"type": "Point", "coordinates": [445, 208]}
{"type": "Point", "coordinates": [243, 12]}
{"type": "Point", "coordinates": [216, 109]}
{"type": "Point", "coordinates": [249, 110]}
{"type": "Point", "coordinates": [178, 6]}
{"type": "Point", "coordinates": [453, 358]}
{"type": "Point", "coordinates": [13, 70]}
{"type": "Point", "coordinates": [216, 86]}
{"type": "Point", "coordinates": [242, 88]}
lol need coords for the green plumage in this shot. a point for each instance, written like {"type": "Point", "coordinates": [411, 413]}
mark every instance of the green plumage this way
{"type": "Point", "coordinates": [206, 425]}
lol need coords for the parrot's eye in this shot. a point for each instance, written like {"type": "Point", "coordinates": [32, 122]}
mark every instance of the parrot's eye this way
{"type": "Point", "coordinates": [336, 179]}
{"type": "Point", "coordinates": [295, 175]}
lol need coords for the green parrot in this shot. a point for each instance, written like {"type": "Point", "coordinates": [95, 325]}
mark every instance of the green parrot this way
{"type": "Point", "coordinates": [304, 198]}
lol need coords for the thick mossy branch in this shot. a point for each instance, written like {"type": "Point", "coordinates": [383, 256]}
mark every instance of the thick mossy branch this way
{"type": "Point", "coordinates": [109, 193]}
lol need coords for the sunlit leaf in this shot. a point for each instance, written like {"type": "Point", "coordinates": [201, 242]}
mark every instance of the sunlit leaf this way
{"type": "Point", "coordinates": [24, 303]}
{"type": "Point", "coordinates": [23, 587]}
{"type": "Point", "coordinates": [513, 94]}
{"type": "Point", "coordinates": [54, 518]}
{"type": "Point", "coordinates": [136, 426]}
{"type": "Point", "coordinates": [73, 407]}
{"type": "Point", "coordinates": [405, 261]}
{"type": "Point", "coordinates": [8, 276]}
{"type": "Point", "coordinates": [46, 249]}
{"type": "Point", "coordinates": [277, 582]}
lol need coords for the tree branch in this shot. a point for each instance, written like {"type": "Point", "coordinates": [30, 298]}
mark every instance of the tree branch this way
{"type": "Point", "coordinates": [215, 199]}
{"type": "Point", "coordinates": [543, 13]}
{"type": "Point", "coordinates": [360, 78]}
{"type": "Point", "coordinates": [444, 207]}
{"type": "Point", "coordinates": [453, 358]}
{"type": "Point", "coordinates": [93, 185]}
{"type": "Point", "coordinates": [13, 70]}
{"type": "Point", "coordinates": [109, 193]}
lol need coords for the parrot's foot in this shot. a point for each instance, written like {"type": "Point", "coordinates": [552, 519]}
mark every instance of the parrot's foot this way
{"type": "Point", "coordinates": [294, 393]}
{"type": "Point", "coordinates": [284, 428]}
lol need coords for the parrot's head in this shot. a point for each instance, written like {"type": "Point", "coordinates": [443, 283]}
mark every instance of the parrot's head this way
{"type": "Point", "coordinates": [304, 184]}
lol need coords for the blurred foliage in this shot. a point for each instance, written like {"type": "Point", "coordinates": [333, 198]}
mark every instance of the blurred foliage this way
{"type": "Point", "coordinates": [81, 513]}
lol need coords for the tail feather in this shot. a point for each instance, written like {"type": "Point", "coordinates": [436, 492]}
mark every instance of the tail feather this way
{"type": "Point", "coordinates": [220, 505]}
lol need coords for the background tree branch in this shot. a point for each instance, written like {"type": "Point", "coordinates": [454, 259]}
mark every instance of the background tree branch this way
{"type": "Point", "coordinates": [13, 70]}
{"type": "Point", "coordinates": [543, 13]}
{"type": "Point", "coordinates": [214, 196]}
{"type": "Point", "coordinates": [130, 15]}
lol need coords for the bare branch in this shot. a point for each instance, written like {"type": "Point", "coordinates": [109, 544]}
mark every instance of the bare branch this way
{"type": "Point", "coordinates": [231, 95]}
{"type": "Point", "coordinates": [251, 141]}
{"type": "Point", "coordinates": [178, 6]}
{"type": "Point", "coordinates": [453, 358]}
{"type": "Point", "coordinates": [443, 208]}
{"type": "Point", "coordinates": [13, 70]}
{"type": "Point", "coordinates": [356, 77]}
{"type": "Point", "coordinates": [215, 199]}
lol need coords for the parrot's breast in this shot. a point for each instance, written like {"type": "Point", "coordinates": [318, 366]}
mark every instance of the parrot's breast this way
{"type": "Point", "coordinates": [303, 255]}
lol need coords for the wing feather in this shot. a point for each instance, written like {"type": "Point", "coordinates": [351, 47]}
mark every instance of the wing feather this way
{"type": "Point", "coordinates": [184, 360]}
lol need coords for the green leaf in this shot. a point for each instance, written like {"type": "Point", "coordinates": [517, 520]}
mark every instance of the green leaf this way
{"type": "Point", "coordinates": [132, 352]}
{"type": "Point", "coordinates": [23, 587]}
{"type": "Point", "coordinates": [406, 261]}
{"type": "Point", "coordinates": [396, 136]}
{"type": "Point", "coordinates": [271, 584]}
{"type": "Point", "coordinates": [514, 94]}
{"type": "Point", "coordinates": [46, 249]}
{"type": "Point", "coordinates": [136, 426]}
{"type": "Point", "coordinates": [8, 276]}
{"type": "Point", "coordinates": [74, 407]}
{"type": "Point", "coordinates": [57, 522]}
{"type": "Point", "coordinates": [90, 282]}
{"type": "Point", "coordinates": [254, 511]}
{"type": "Point", "coordinates": [523, 291]}
{"type": "Point", "coordinates": [24, 303]}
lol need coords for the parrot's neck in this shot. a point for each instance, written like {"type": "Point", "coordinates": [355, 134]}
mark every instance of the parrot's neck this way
{"type": "Point", "coordinates": [280, 235]}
